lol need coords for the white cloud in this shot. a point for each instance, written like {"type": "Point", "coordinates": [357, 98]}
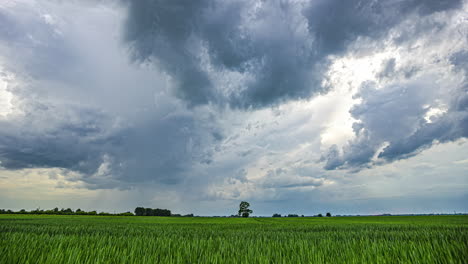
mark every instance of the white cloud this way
{"type": "Point", "coordinates": [6, 96]}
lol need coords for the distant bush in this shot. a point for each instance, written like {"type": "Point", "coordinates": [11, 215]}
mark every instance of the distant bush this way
{"type": "Point", "coordinates": [276, 215]}
{"type": "Point", "coordinates": [126, 214]}
{"type": "Point", "coordinates": [103, 213]}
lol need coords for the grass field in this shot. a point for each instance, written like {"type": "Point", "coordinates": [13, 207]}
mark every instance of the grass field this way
{"type": "Point", "coordinates": [100, 239]}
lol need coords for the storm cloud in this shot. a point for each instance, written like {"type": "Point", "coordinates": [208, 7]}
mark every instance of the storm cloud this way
{"type": "Point", "coordinates": [205, 101]}
{"type": "Point", "coordinates": [395, 123]}
{"type": "Point", "coordinates": [275, 50]}
{"type": "Point", "coordinates": [71, 112]}
{"type": "Point", "coordinates": [411, 104]}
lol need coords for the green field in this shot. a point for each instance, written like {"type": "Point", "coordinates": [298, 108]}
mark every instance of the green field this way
{"type": "Point", "coordinates": [101, 239]}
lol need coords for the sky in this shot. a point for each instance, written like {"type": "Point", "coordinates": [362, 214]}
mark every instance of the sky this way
{"type": "Point", "coordinates": [296, 106]}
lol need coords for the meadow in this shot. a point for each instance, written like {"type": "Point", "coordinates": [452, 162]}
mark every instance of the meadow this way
{"type": "Point", "coordinates": [110, 239]}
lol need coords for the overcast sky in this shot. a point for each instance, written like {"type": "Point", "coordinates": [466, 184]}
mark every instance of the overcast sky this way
{"type": "Point", "coordinates": [297, 106]}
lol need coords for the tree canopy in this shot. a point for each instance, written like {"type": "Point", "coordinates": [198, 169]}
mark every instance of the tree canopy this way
{"type": "Point", "coordinates": [140, 211]}
{"type": "Point", "coordinates": [244, 210]}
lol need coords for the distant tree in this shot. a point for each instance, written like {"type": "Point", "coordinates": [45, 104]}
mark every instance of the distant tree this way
{"type": "Point", "coordinates": [320, 215]}
{"type": "Point", "coordinates": [80, 212]}
{"type": "Point", "coordinates": [139, 211]}
{"type": "Point", "coordinates": [104, 213]}
{"type": "Point", "coordinates": [166, 212]}
{"type": "Point", "coordinates": [156, 212]}
{"type": "Point", "coordinates": [276, 215]}
{"type": "Point", "coordinates": [161, 212]}
{"type": "Point", "coordinates": [293, 215]}
{"type": "Point", "coordinates": [244, 210]}
{"type": "Point", "coordinates": [56, 210]}
{"type": "Point", "coordinates": [328, 214]}
{"type": "Point", "coordinates": [149, 212]}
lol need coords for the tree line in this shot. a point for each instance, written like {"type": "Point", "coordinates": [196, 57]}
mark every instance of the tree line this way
{"type": "Point", "coordinates": [295, 215]}
{"type": "Point", "coordinates": [62, 211]}
{"type": "Point", "coordinates": [244, 211]}
{"type": "Point", "coordinates": [140, 211]}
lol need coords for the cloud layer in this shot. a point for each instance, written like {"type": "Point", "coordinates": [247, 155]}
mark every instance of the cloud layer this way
{"type": "Point", "coordinates": [227, 100]}
{"type": "Point", "coordinates": [256, 53]}
{"type": "Point", "coordinates": [413, 101]}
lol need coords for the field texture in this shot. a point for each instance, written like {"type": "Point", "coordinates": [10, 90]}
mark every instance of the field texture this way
{"type": "Point", "coordinates": [101, 239]}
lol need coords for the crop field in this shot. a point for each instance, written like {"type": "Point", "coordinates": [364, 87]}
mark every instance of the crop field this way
{"type": "Point", "coordinates": [101, 239]}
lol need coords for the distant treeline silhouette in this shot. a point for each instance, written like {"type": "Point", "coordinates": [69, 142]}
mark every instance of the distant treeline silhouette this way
{"type": "Point", "coordinates": [296, 215]}
{"type": "Point", "coordinates": [140, 211]}
{"type": "Point", "coordinates": [62, 211]}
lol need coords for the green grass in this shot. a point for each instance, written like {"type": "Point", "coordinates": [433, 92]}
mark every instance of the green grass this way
{"type": "Point", "coordinates": [100, 239]}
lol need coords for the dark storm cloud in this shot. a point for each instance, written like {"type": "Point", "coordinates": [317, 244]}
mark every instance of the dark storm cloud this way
{"type": "Point", "coordinates": [450, 126]}
{"type": "Point", "coordinates": [29, 38]}
{"type": "Point", "coordinates": [265, 42]}
{"type": "Point", "coordinates": [163, 29]}
{"type": "Point", "coordinates": [161, 149]}
{"type": "Point", "coordinates": [263, 45]}
{"type": "Point", "coordinates": [99, 118]}
{"type": "Point", "coordinates": [164, 149]}
{"type": "Point", "coordinates": [86, 110]}
{"type": "Point", "coordinates": [48, 137]}
{"type": "Point", "coordinates": [337, 23]}
{"type": "Point", "coordinates": [430, 6]}
{"type": "Point", "coordinates": [394, 119]}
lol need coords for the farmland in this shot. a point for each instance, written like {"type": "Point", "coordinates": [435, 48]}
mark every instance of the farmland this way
{"type": "Point", "coordinates": [106, 239]}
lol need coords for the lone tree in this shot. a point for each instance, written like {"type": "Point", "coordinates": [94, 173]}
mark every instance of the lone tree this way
{"type": "Point", "coordinates": [244, 210]}
{"type": "Point", "coordinates": [328, 214]}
